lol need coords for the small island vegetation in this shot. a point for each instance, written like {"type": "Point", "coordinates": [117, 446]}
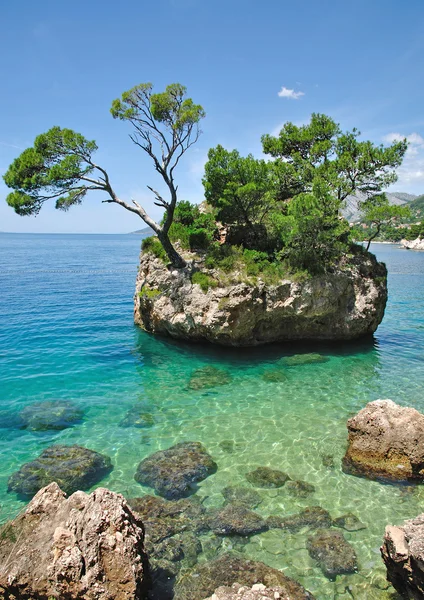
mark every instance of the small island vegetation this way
{"type": "Point", "coordinates": [269, 217]}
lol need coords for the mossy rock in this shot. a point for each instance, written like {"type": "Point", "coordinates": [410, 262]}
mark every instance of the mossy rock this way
{"type": "Point", "coordinates": [274, 376]}
{"type": "Point", "coordinates": [205, 577]}
{"type": "Point", "coordinates": [174, 473]}
{"type": "Point", "coordinates": [332, 552]}
{"type": "Point", "coordinates": [230, 446]}
{"type": "Point", "coordinates": [137, 417]}
{"type": "Point", "coordinates": [50, 415]}
{"type": "Point", "coordinates": [208, 377]}
{"type": "Point", "coordinates": [313, 517]}
{"type": "Point", "coordinates": [298, 360]}
{"type": "Point", "coordinates": [300, 489]}
{"type": "Point", "coordinates": [236, 519]}
{"type": "Point", "coordinates": [241, 495]}
{"type": "Point", "coordinates": [265, 477]}
{"type": "Point", "coordinates": [71, 467]}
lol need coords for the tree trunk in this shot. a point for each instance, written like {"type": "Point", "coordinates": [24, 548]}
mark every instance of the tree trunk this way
{"type": "Point", "coordinates": [176, 259]}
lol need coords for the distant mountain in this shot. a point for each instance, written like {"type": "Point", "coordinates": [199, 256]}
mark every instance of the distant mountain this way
{"type": "Point", "coordinates": [145, 231]}
{"type": "Point", "coordinates": [417, 205]}
{"type": "Point", "coordinates": [351, 212]}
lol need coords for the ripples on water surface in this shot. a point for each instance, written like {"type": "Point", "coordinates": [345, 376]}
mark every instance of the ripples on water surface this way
{"type": "Point", "coordinates": [66, 332]}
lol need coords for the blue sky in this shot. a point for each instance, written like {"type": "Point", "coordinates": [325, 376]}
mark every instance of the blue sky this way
{"type": "Point", "coordinates": [62, 63]}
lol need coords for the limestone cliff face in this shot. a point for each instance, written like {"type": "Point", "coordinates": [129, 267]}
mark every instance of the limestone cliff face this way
{"type": "Point", "coordinates": [343, 305]}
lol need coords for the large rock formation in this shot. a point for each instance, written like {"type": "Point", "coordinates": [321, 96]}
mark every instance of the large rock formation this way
{"type": "Point", "coordinates": [403, 555]}
{"type": "Point", "coordinates": [386, 441]}
{"type": "Point", "coordinates": [82, 547]}
{"type": "Point", "coordinates": [417, 244]}
{"type": "Point", "coordinates": [346, 304]}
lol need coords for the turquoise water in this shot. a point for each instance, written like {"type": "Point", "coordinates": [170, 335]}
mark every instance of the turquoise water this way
{"type": "Point", "coordinates": [66, 332]}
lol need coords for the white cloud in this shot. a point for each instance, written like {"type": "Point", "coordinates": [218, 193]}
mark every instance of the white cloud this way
{"type": "Point", "coordinates": [411, 172]}
{"type": "Point", "coordinates": [291, 94]}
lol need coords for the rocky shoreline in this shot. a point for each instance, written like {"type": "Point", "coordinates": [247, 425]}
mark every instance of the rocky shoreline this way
{"type": "Point", "coordinates": [102, 546]}
{"type": "Point", "coordinates": [344, 305]}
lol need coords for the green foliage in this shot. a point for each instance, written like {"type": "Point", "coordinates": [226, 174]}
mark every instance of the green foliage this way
{"type": "Point", "coordinates": [153, 245]}
{"type": "Point", "coordinates": [315, 235]}
{"type": "Point", "coordinates": [149, 293]}
{"type": "Point", "coordinates": [241, 189]}
{"type": "Point", "coordinates": [58, 166]}
{"type": "Point", "coordinates": [193, 229]}
{"type": "Point", "coordinates": [320, 150]}
{"type": "Point", "coordinates": [170, 108]}
{"type": "Point", "coordinates": [377, 213]}
{"type": "Point", "coordinates": [204, 280]}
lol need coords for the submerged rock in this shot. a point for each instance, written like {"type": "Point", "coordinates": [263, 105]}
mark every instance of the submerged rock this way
{"type": "Point", "coordinates": [267, 478]}
{"type": "Point", "coordinates": [303, 359]}
{"type": "Point", "coordinates": [50, 415]}
{"type": "Point", "coordinates": [71, 467]}
{"type": "Point", "coordinates": [230, 446]}
{"type": "Point", "coordinates": [301, 489]}
{"type": "Point", "coordinates": [274, 376]}
{"type": "Point", "coordinates": [313, 517]}
{"type": "Point", "coordinates": [343, 305]}
{"type": "Point", "coordinates": [236, 519]}
{"type": "Point", "coordinates": [328, 461]}
{"type": "Point", "coordinates": [201, 581]}
{"type": "Point", "coordinates": [241, 495]}
{"type": "Point", "coordinates": [332, 552]}
{"type": "Point", "coordinates": [84, 546]}
{"type": "Point", "coordinates": [137, 417]}
{"type": "Point", "coordinates": [164, 518]}
{"type": "Point", "coordinates": [241, 592]}
{"type": "Point", "coordinates": [173, 473]}
{"type": "Point", "coordinates": [349, 522]}
{"type": "Point", "coordinates": [386, 441]}
{"type": "Point", "coordinates": [208, 377]}
{"type": "Point", "coordinates": [403, 554]}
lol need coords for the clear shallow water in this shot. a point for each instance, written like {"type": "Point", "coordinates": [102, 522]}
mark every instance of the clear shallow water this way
{"type": "Point", "coordinates": [66, 332]}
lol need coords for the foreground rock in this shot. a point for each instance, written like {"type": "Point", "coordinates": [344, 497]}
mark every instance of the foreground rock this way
{"type": "Point", "coordinates": [228, 569]}
{"type": "Point", "coordinates": [417, 244]}
{"type": "Point", "coordinates": [403, 555]}
{"type": "Point", "coordinates": [81, 547]}
{"type": "Point", "coordinates": [386, 441]}
{"type": "Point", "coordinates": [50, 415]}
{"type": "Point", "coordinates": [256, 592]}
{"type": "Point", "coordinates": [173, 473]}
{"type": "Point", "coordinates": [343, 305]}
{"type": "Point", "coordinates": [71, 467]}
{"type": "Point", "coordinates": [332, 552]}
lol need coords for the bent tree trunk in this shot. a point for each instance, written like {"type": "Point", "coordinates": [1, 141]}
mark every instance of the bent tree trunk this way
{"type": "Point", "coordinates": [176, 259]}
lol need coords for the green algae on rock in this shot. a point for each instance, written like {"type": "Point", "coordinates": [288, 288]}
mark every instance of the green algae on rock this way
{"type": "Point", "coordinates": [71, 467]}
{"type": "Point", "coordinates": [174, 473]}
{"type": "Point", "coordinates": [50, 415]}
{"type": "Point", "coordinates": [265, 477]}
{"type": "Point", "coordinates": [350, 522]}
{"type": "Point", "coordinates": [208, 377]}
